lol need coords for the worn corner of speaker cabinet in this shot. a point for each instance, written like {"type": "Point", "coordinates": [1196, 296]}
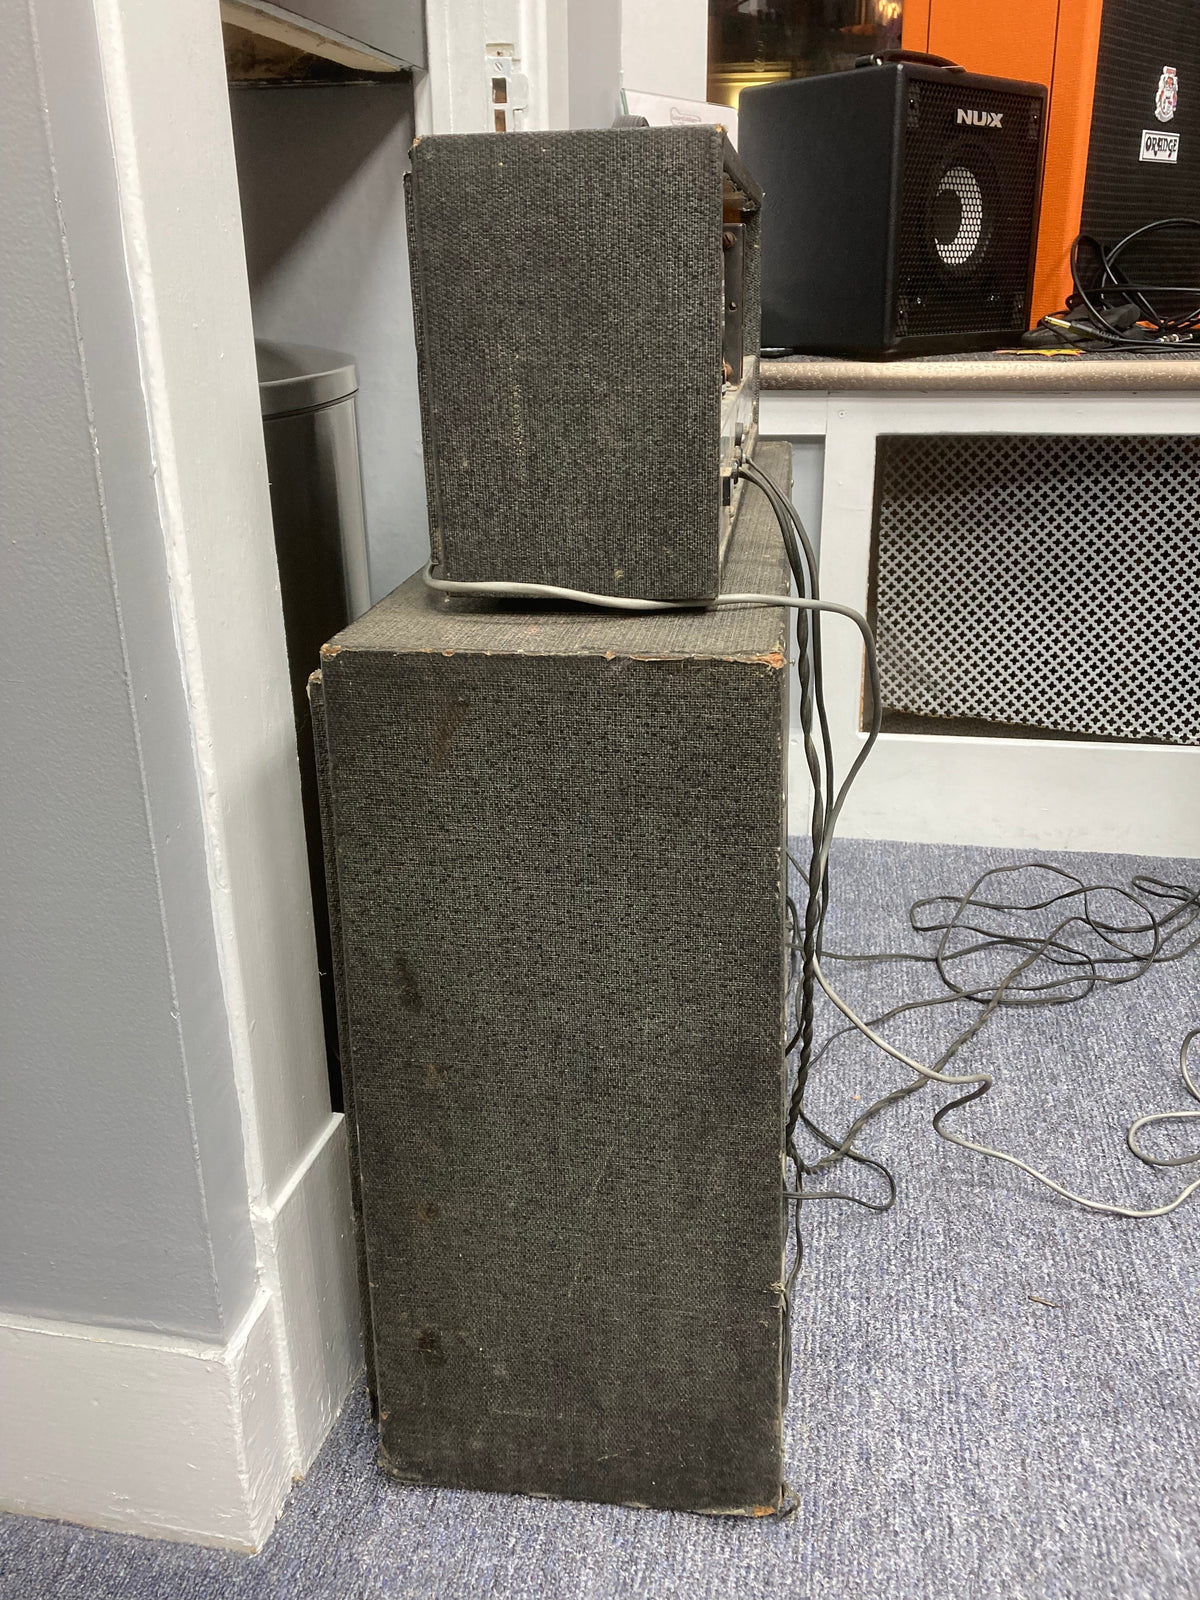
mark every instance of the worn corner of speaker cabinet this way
{"type": "Point", "coordinates": [328, 651]}
{"type": "Point", "coordinates": [754, 1511]}
{"type": "Point", "coordinates": [386, 1464]}
{"type": "Point", "coordinates": [775, 659]}
{"type": "Point", "coordinates": [765, 1511]}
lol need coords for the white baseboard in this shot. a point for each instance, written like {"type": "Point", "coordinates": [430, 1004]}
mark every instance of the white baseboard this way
{"type": "Point", "coordinates": [1036, 795]}
{"type": "Point", "coordinates": [311, 1241]}
{"type": "Point", "coordinates": [176, 1438]}
{"type": "Point", "coordinates": [145, 1433]}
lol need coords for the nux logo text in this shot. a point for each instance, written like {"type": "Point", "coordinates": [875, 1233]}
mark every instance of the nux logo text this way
{"type": "Point", "coordinates": [979, 119]}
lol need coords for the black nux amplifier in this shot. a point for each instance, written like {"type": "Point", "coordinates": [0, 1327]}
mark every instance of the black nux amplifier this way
{"type": "Point", "coordinates": [586, 309]}
{"type": "Point", "coordinates": [900, 210]}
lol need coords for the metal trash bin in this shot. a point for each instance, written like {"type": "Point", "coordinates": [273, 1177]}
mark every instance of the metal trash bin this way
{"type": "Point", "coordinates": [311, 432]}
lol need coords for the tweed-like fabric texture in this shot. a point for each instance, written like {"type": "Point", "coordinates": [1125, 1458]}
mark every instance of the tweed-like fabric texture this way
{"type": "Point", "coordinates": [416, 619]}
{"type": "Point", "coordinates": [950, 1434]}
{"type": "Point", "coordinates": [559, 844]}
{"type": "Point", "coordinates": [567, 293]}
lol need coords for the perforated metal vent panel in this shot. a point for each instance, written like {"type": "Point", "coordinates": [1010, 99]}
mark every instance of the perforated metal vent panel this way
{"type": "Point", "coordinates": [966, 218]}
{"type": "Point", "coordinates": [1044, 581]}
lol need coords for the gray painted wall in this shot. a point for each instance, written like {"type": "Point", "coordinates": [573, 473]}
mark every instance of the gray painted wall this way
{"type": "Point", "coordinates": [122, 1183]}
{"type": "Point", "coordinates": [395, 27]}
{"type": "Point", "coordinates": [593, 62]}
{"type": "Point", "coordinates": [808, 475]}
{"type": "Point", "coordinates": [321, 173]}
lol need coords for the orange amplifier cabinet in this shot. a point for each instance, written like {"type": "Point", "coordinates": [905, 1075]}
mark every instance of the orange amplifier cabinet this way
{"type": "Point", "coordinates": [1054, 42]}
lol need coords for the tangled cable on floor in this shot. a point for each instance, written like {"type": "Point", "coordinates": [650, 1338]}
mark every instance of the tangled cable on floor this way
{"type": "Point", "coordinates": [1082, 951]}
{"type": "Point", "coordinates": [1054, 967]}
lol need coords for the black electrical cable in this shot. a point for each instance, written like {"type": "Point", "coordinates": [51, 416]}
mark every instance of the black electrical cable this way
{"type": "Point", "coordinates": [1154, 327]}
{"type": "Point", "coordinates": [827, 805]}
{"type": "Point", "coordinates": [812, 688]}
{"type": "Point", "coordinates": [1006, 990]}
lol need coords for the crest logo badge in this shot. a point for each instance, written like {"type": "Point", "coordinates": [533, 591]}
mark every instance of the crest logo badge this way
{"type": "Point", "coordinates": [1167, 97]}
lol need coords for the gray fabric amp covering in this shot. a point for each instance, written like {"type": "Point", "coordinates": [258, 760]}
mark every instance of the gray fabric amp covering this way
{"type": "Point", "coordinates": [569, 307]}
{"type": "Point", "coordinates": [560, 878]}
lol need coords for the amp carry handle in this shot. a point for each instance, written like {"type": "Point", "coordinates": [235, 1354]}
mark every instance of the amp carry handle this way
{"type": "Point", "coordinates": [885, 58]}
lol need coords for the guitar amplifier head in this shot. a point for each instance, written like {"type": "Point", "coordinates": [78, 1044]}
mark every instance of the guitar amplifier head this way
{"type": "Point", "coordinates": [586, 309]}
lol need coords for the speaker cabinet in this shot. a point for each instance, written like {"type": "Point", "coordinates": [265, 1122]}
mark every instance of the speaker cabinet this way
{"type": "Point", "coordinates": [586, 311]}
{"type": "Point", "coordinates": [900, 208]}
{"type": "Point", "coordinates": [1038, 585]}
{"type": "Point", "coordinates": [556, 852]}
{"type": "Point", "coordinates": [1118, 70]}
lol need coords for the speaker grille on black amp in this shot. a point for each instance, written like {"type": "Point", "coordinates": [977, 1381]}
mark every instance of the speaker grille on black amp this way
{"type": "Point", "coordinates": [899, 208]}
{"type": "Point", "coordinates": [1039, 582]}
{"type": "Point", "coordinates": [968, 191]}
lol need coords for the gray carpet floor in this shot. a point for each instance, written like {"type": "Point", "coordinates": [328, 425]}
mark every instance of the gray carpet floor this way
{"type": "Point", "coordinates": [994, 1394]}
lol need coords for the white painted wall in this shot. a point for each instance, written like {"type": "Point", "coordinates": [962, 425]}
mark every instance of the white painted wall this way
{"type": "Point", "coordinates": [576, 55]}
{"type": "Point", "coordinates": [664, 47]}
{"type": "Point", "coordinates": [177, 1312]}
{"type": "Point", "coordinates": [453, 96]}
